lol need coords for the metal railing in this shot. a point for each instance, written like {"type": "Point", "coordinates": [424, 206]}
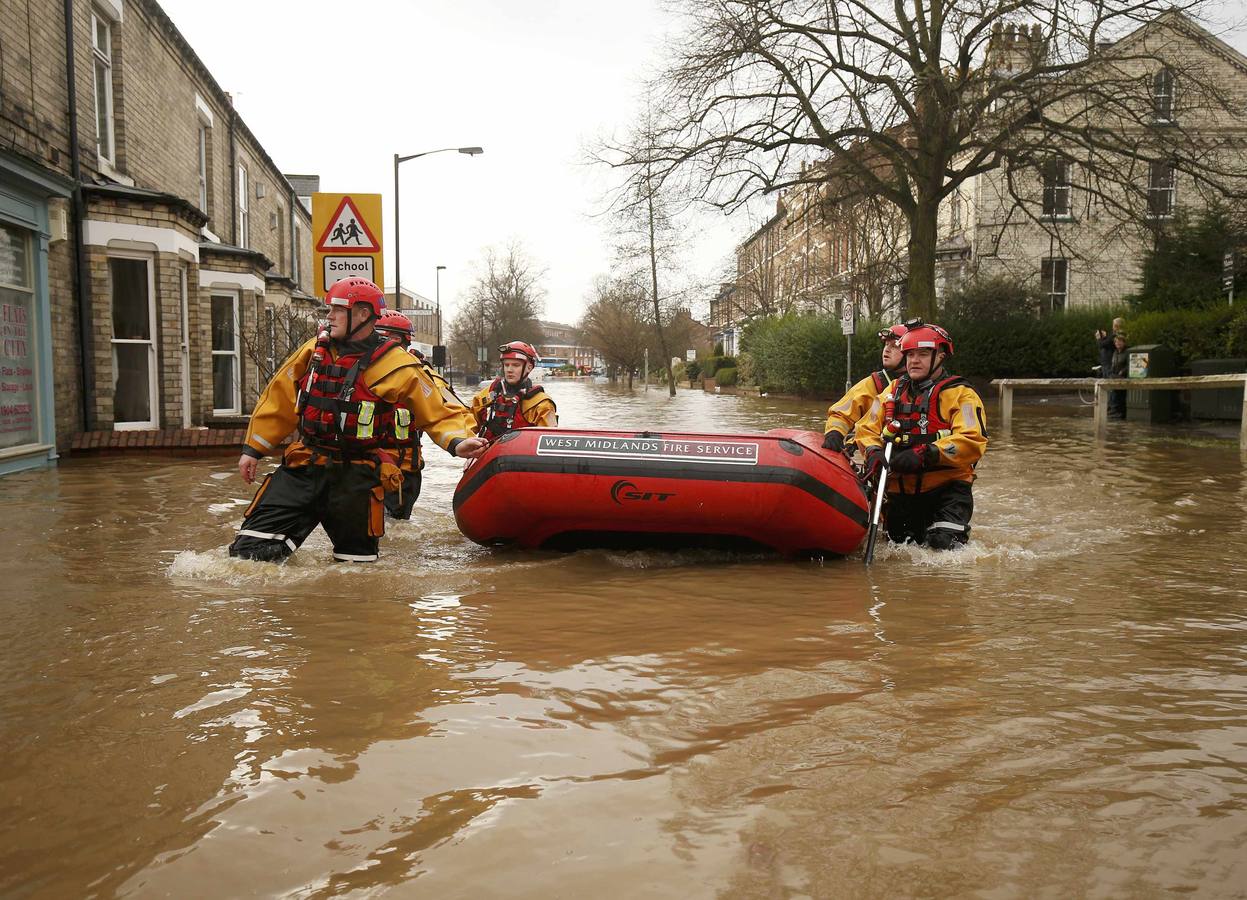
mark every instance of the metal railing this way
{"type": "Point", "coordinates": [1102, 386]}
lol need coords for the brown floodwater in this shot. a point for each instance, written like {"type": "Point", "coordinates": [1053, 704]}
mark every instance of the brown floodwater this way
{"type": "Point", "coordinates": [1060, 710]}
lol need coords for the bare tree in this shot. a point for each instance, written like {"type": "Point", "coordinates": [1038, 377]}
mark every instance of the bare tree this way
{"type": "Point", "coordinates": [503, 304]}
{"type": "Point", "coordinates": [910, 100]}
{"type": "Point", "coordinates": [274, 336]}
{"type": "Point", "coordinates": [617, 324]}
{"type": "Point", "coordinates": [646, 211]}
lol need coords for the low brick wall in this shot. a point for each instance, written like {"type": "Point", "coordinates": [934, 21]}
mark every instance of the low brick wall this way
{"type": "Point", "coordinates": [167, 441]}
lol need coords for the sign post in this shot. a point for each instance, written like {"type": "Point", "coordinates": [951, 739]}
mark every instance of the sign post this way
{"type": "Point", "coordinates": [1227, 274]}
{"type": "Point", "coordinates": [848, 328]}
{"type": "Point", "coordinates": [348, 239]}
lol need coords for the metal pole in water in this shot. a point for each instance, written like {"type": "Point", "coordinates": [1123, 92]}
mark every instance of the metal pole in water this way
{"type": "Point", "coordinates": [645, 372]}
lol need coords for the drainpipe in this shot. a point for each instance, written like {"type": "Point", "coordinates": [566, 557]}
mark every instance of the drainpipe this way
{"type": "Point", "coordinates": [291, 200]}
{"type": "Point", "coordinates": [78, 206]}
{"type": "Point", "coordinates": [233, 176]}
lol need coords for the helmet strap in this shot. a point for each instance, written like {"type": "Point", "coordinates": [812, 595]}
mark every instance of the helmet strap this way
{"type": "Point", "coordinates": [372, 317]}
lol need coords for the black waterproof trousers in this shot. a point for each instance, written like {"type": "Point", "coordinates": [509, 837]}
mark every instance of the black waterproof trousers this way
{"type": "Point", "coordinates": [344, 497]}
{"type": "Point", "coordinates": [398, 506]}
{"type": "Point", "coordinates": [938, 518]}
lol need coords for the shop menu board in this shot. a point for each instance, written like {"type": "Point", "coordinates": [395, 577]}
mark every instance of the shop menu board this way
{"type": "Point", "coordinates": [18, 423]}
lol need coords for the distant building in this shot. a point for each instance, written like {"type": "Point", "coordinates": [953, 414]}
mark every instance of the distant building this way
{"type": "Point", "coordinates": [1078, 232]}
{"type": "Point", "coordinates": [1070, 235]}
{"type": "Point", "coordinates": [423, 314]}
{"type": "Point", "coordinates": [563, 343]}
{"type": "Point", "coordinates": [144, 232]}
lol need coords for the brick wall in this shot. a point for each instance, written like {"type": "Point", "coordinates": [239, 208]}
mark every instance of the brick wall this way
{"type": "Point", "coordinates": [33, 101]}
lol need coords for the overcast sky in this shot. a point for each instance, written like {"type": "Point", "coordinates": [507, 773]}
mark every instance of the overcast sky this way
{"type": "Point", "coordinates": [531, 81]}
{"type": "Point", "coordinates": [336, 89]}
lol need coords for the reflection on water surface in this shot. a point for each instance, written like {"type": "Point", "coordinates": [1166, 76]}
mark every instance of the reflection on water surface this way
{"type": "Point", "coordinates": [1057, 711]}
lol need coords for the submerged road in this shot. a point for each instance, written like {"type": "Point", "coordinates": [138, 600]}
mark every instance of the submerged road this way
{"type": "Point", "coordinates": [1059, 710]}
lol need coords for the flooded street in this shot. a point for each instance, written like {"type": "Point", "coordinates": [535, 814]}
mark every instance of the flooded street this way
{"type": "Point", "coordinates": [1059, 710]}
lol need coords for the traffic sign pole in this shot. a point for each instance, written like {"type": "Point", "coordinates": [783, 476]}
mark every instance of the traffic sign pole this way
{"type": "Point", "coordinates": [848, 328]}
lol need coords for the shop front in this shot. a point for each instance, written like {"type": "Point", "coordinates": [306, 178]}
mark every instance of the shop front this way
{"type": "Point", "coordinates": [27, 415]}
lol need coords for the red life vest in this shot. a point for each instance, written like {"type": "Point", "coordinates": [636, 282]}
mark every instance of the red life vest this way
{"type": "Point", "coordinates": [917, 409]}
{"type": "Point", "coordinates": [339, 412]}
{"type": "Point", "coordinates": [504, 411]}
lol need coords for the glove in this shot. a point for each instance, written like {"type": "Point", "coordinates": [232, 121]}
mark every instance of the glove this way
{"type": "Point", "coordinates": [833, 440]}
{"type": "Point", "coordinates": [874, 462]}
{"type": "Point", "coordinates": [912, 460]}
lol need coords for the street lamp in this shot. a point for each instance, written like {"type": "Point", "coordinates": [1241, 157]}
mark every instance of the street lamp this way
{"type": "Point", "coordinates": [437, 280]}
{"type": "Point", "coordinates": [468, 151]}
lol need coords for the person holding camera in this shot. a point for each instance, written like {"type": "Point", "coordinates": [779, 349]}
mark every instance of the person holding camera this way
{"type": "Point", "coordinates": [1104, 340]}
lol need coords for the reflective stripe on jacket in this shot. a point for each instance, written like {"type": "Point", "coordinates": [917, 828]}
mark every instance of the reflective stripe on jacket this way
{"type": "Point", "coordinates": [395, 377]}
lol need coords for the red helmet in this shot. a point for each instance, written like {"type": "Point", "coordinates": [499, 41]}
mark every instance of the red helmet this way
{"type": "Point", "coordinates": [395, 321]}
{"type": "Point", "coordinates": [927, 336]}
{"type": "Point", "coordinates": [522, 351]}
{"type": "Point", "coordinates": [350, 291]}
{"type": "Point", "coordinates": [893, 334]}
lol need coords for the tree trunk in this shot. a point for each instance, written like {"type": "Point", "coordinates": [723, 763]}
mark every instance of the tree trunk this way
{"type": "Point", "coordinates": [653, 269]}
{"type": "Point", "coordinates": [920, 294]}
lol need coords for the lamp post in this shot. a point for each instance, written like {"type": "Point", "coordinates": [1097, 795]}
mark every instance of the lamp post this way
{"type": "Point", "coordinates": [468, 151]}
{"type": "Point", "coordinates": [437, 281]}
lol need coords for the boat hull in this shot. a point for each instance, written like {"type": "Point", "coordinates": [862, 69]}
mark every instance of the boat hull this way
{"type": "Point", "coordinates": [570, 488]}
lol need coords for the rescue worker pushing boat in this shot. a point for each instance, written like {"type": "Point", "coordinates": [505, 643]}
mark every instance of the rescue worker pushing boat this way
{"type": "Point", "coordinates": [512, 401]}
{"type": "Point", "coordinates": [342, 391]}
{"type": "Point", "coordinates": [407, 449]}
{"type": "Point", "coordinates": [862, 400]}
{"type": "Point", "coordinates": [936, 424]}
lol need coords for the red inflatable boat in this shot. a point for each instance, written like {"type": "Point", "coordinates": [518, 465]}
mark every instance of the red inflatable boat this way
{"type": "Point", "coordinates": [566, 488]}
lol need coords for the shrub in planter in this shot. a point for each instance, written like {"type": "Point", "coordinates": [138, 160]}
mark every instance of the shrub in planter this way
{"type": "Point", "coordinates": [725, 377]}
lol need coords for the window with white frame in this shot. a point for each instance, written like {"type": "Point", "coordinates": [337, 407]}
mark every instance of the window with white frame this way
{"type": "Point", "coordinates": [1054, 282]}
{"type": "Point", "coordinates": [244, 209]}
{"type": "Point", "coordinates": [1161, 190]}
{"type": "Point", "coordinates": [1057, 189]}
{"type": "Point", "coordinates": [954, 211]}
{"type": "Point", "coordinates": [226, 363]}
{"type": "Point", "coordinates": [203, 167]}
{"type": "Point", "coordinates": [102, 51]}
{"type": "Point", "coordinates": [133, 342]}
{"type": "Point", "coordinates": [1162, 95]}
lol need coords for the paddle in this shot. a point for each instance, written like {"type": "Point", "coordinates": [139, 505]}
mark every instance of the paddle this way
{"type": "Point", "coordinates": [877, 512]}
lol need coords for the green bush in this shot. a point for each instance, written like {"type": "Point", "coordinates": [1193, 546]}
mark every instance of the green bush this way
{"type": "Point", "coordinates": [692, 370]}
{"type": "Point", "coordinates": [714, 363]}
{"type": "Point", "coordinates": [744, 368]}
{"type": "Point", "coordinates": [1060, 345]}
{"type": "Point", "coordinates": [1192, 333]}
{"type": "Point", "coordinates": [1183, 267]}
{"type": "Point", "coordinates": [806, 354]}
{"type": "Point", "coordinates": [725, 377]}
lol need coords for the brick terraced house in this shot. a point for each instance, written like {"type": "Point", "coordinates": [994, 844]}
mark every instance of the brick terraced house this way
{"type": "Point", "coordinates": [146, 238]}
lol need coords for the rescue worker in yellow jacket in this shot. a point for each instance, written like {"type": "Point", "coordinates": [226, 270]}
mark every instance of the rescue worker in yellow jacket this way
{"type": "Point", "coordinates": [512, 401]}
{"type": "Point", "coordinates": [342, 390]}
{"type": "Point", "coordinates": [406, 448]}
{"type": "Point", "coordinates": [938, 433]}
{"type": "Point", "coordinates": [862, 400]}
